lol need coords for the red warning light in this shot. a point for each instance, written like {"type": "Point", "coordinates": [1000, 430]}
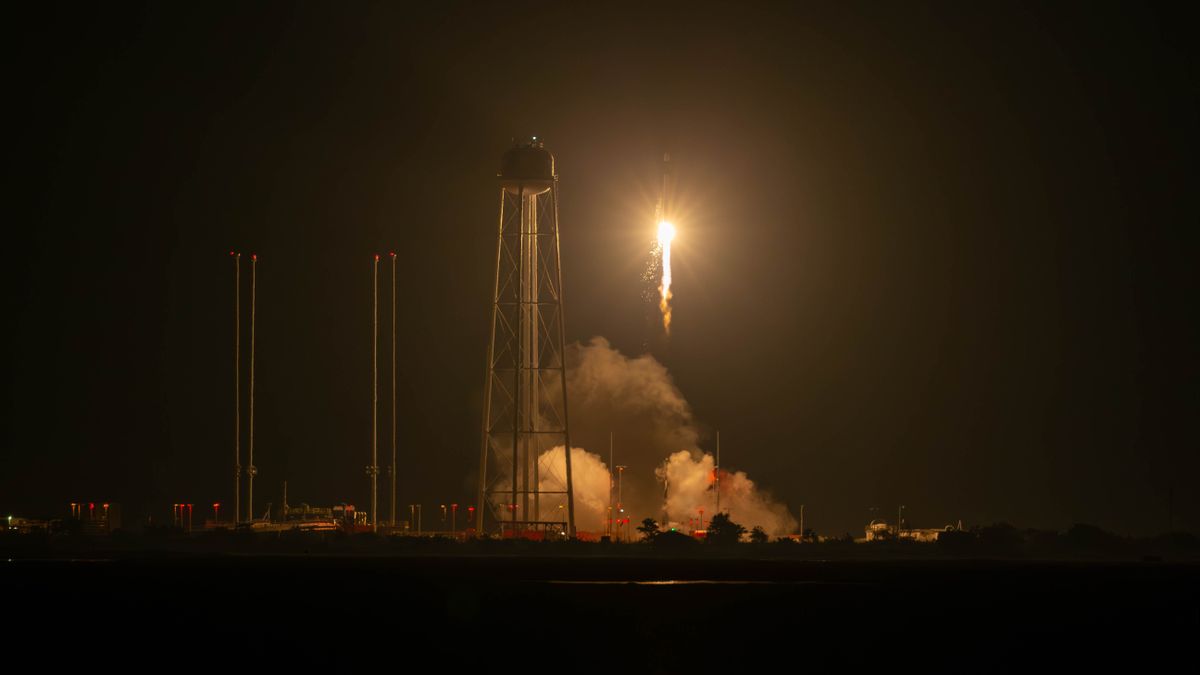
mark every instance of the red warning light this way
{"type": "Point", "coordinates": [254, 257]}
{"type": "Point", "coordinates": [377, 256]}
{"type": "Point", "coordinates": [393, 254]}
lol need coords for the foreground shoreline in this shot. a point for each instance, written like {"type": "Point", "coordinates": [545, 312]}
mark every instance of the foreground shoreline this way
{"type": "Point", "coordinates": [664, 613]}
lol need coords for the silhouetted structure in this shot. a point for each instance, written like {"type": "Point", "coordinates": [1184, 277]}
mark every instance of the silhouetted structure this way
{"type": "Point", "coordinates": [525, 409]}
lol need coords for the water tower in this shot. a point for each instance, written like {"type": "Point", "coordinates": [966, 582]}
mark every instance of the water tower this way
{"type": "Point", "coordinates": [524, 488]}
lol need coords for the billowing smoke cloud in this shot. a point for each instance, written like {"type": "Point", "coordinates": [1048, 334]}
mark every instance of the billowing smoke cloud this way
{"type": "Point", "coordinates": [635, 400]}
{"type": "Point", "coordinates": [608, 389]}
{"type": "Point", "coordinates": [653, 432]}
{"type": "Point", "coordinates": [590, 477]}
{"type": "Point", "coordinates": [691, 486]}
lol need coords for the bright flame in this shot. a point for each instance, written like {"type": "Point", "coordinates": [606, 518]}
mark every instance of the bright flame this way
{"type": "Point", "coordinates": [666, 232]}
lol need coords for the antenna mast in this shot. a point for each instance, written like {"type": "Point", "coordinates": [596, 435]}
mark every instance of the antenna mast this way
{"type": "Point", "coordinates": [251, 470]}
{"type": "Point", "coordinates": [610, 484]}
{"type": "Point", "coordinates": [392, 470]}
{"type": "Point", "coordinates": [237, 384]}
{"type": "Point", "coordinates": [373, 470]}
{"type": "Point", "coordinates": [717, 473]}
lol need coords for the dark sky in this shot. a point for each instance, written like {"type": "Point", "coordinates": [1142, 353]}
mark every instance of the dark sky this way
{"type": "Point", "coordinates": [934, 255]}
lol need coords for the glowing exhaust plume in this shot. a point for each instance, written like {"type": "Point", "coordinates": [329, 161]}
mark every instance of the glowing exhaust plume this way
{"type": "Point", "coordinates": [666, 232]}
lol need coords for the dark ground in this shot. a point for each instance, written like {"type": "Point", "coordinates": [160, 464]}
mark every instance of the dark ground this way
{"type": "Point", "coordinates": [597, 611]}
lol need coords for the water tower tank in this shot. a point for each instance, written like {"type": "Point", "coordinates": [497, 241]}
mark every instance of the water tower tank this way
{"type": "Point", "coordinates": [527, 168]}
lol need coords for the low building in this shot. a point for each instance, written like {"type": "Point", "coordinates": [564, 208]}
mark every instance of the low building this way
{"type": "Point", "coordinates": [879, 530]}
{"type": "Point", "coordinates": [26, 525]}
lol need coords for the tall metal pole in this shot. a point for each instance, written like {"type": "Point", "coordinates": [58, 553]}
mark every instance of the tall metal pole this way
{"type": "Point", "coordinates": [666, 516]}
{"type": "Point", "coordinates": [610, 483]}
{"type": "Point", "coordinates": [373, 470]}
{"type": "Point", "coordinates": [620, 505]}
{"type": "Point", "coordinates": [392, 471]}
{"type": "Point", "coordinates": [237, 384]}
{"type": "Point", "coordinates": [717, 473]}
{"type": "Point", "coordinates": [251, 470]}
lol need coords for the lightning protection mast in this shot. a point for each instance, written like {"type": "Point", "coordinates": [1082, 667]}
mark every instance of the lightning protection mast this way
{"type": "Point", "coordinates": [237, 386]}
{"type": "Point", "coordinates": [373, 468]}
{"type": "Point", "coordinates": [525, 489]}
{"type": "Point", "coordinates": [251, 470]}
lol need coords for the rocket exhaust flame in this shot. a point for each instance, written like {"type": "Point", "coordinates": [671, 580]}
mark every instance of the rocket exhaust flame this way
{"type": "Point", "coordinates": [666, 232]}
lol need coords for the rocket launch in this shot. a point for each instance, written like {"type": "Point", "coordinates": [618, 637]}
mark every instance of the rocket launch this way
{"type": "Point", "coordinates": [666, 232]}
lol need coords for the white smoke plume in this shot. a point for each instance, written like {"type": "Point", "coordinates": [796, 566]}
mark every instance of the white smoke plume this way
{"type": "Point", "coordinates": [691, 486]}
{"type": "Point", "coordinates": [590, 477]}
{"type": "Point", "coordinates": [655, 436]}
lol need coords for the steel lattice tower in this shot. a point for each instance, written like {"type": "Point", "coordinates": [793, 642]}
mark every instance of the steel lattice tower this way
{"type": "Point", "coordinates": [525, 393]}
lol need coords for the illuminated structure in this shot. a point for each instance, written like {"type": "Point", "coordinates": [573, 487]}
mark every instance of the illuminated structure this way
{"type": "Point", "coordinates": [878, 530]}
{"type": "Point", "coordinates": [523, 487]}
{"type": "Point", "coordinates": [97, 518]}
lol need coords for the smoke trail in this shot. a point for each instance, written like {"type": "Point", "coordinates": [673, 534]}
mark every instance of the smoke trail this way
{"type": "Point", "coordinates": [636, 399]}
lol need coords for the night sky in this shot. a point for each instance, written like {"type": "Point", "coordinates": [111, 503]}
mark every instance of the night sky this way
{"type": "Point", "coordinates": [932, 255]}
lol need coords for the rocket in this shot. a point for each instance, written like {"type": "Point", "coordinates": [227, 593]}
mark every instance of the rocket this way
{"type": "Point", "coordinates": [662, 211]}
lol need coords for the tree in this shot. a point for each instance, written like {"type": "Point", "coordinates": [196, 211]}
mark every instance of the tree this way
{"type": "Point", "coordinates": [674, 541]}
{"type": "Point", "coordinates": [722, 530]}
{"type": "Point", "coordinates": [759, 535]}
{"type": "Point", "coordinates": [649, 530]}
{"type": "Point", "coordinates": [1000, 538]}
